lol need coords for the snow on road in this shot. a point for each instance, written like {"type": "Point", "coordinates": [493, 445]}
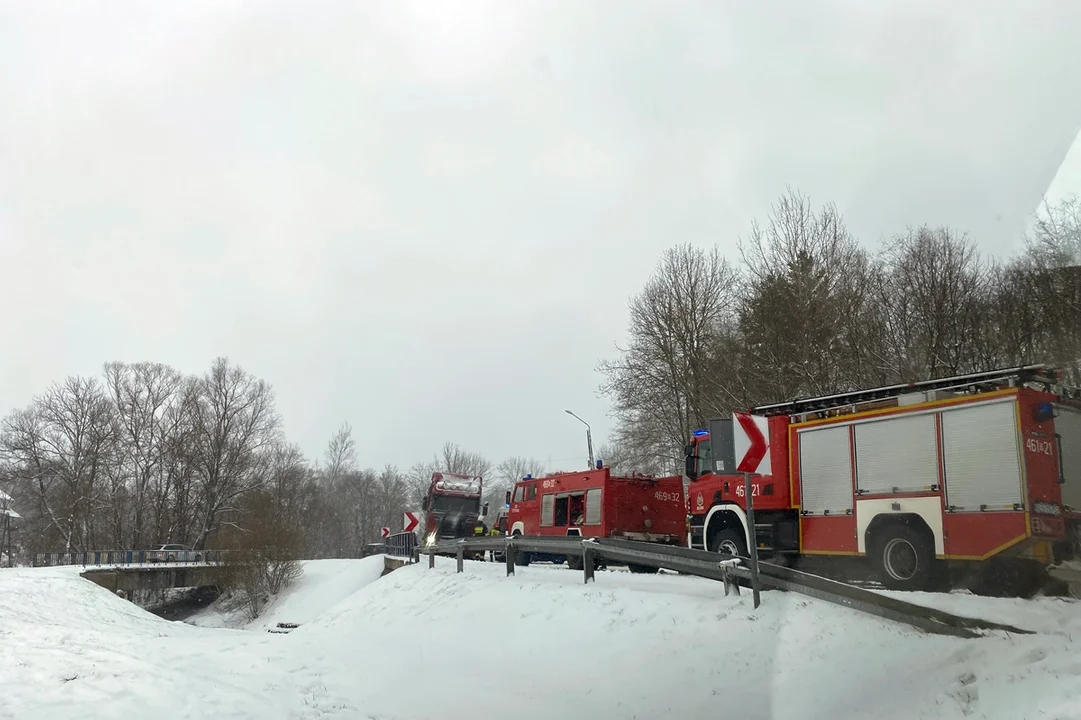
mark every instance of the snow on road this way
{"type": "Point", "coordinates": [423, 643]}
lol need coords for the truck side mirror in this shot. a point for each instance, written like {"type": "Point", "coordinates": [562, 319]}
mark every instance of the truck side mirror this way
{"type": "Point", "coordinates": [508, 497]}
{"type": "Point", "coordinates": [689, 468]}
{"type": "Point", "coordinates": [484, 510]}
{"type": "Point", "coordinates": [688, 450]}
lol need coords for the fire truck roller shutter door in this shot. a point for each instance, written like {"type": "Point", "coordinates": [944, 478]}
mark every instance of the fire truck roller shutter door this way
{"type": "Point", "coordinates": [1068, 428]}
{"type": "Point", "coordinates": [897, 453]}
{"type": "Point", "coordinates": [825, 467]}
{"type": "Point", "coordinates": [593, 506]}
{"type": "Point", "coordinates": [982, 456]}
{"type": "Point", "coordinates": [547, 516]}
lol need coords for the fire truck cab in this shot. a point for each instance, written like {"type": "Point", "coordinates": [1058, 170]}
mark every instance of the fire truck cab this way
{"type": "Point", "coordinates": [978, 468]}
{"type": "Point", "coordinates": [597, 504]}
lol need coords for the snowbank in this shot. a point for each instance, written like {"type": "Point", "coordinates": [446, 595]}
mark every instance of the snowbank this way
{"type": "Point", "coordinates": [323, 584]}
{"type": "Point", "coordinates": [419, 643]}
{"type": "Point", "coordinates": [668, 646]}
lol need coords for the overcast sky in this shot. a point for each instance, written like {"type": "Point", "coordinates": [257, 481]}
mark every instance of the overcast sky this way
{"type": "Point", "coordinates": [426, 218]}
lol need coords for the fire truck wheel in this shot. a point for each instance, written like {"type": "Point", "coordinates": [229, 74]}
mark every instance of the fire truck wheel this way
{"type": "Point", "coordinates": [905, 558]}
{"type": "Point", "coordinates": [728, 541]}
{"type": "Point", "coordinates": [642, 569]}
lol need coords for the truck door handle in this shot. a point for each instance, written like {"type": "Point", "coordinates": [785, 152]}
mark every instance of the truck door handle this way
{"type": "Point", "coordinates": [1061, 471]}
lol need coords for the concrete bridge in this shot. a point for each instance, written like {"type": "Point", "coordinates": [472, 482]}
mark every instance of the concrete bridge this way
{"type": "Point", "coordinates": [160, 577]}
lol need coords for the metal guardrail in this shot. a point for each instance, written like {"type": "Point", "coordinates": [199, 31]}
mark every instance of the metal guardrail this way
{"type": "Point", "coordinates": [400, 544]}
{"type": "Point", "coordinates": [726, 569]}
{"type": "Point", "coordinates": [128, 557]}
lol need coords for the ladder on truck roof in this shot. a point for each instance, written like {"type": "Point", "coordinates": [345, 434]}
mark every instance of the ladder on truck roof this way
{"type": "Point", "coordinates": [992, 379]}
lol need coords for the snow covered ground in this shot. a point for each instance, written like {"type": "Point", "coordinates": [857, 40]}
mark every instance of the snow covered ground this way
{"type": "Point", "coordinates": [324, 583]}
{"type": "Point", "coordinates": [423, 643]}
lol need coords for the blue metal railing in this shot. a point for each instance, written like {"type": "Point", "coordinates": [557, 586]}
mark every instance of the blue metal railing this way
{"type": "Point", "coordinates": [127, 557]}
{"type": "Point", "coordinates": [401, 544]}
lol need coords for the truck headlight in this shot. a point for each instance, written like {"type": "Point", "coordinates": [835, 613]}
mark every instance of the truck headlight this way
{"type": "Point", "coordinates": [1046, 508]}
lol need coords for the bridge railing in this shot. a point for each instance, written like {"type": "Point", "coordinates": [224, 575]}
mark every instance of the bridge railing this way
{"type": "Point", "coordinates": [128, 557]}
{"type": "Point", "coordinates": [401, 544]}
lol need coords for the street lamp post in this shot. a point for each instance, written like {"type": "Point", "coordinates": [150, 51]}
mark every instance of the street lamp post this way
{"type": "Point", "coordinates": [589, 437]}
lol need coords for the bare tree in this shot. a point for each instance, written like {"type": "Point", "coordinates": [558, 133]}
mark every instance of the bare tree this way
{"type": "Point", "coordinates": [175, 487]}
{"type": "Point", "coordinates": [506, 474]}
{"type": "Point", "coordinates": [62, 447]}
{"type": "Point", "coordinates": [455, 460]}
{"type": "Point", "coordinates": [417, 480]}
{"type": "Point", "coordinates": [234, 421]}
{"type": "Point", "coordinates": [935, 298]}
{"type": "Point", "coordinates": [1049, 280]}
{"type": "Point", "coordinates": [1056, 237]}
{"type": "Point", "coordinates": [390, 497]}
{"type": "Point", "coordinates": [623, 460]}
{"type": "Point", "coordinates": [340, 456]}
{"type": "Point", "coordinates": [806, 305]}
{"type": "Point", "coordinates": [670, 377]}
{"type": "Point", "coordinates": [143, 395]}
{"type": "Point", "coordinates": [267, 537]}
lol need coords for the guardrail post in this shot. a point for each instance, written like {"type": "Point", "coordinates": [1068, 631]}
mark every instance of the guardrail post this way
{"type": "Point", "coordinates": [431, 559]}
{"type": "Point", "coordinates": [511, 553]}
{"type": "Point", "coordinates": [587, 564]}
{"type": "Point", "coordinates": [729, 582]}
{"type": "Point", "coordinates": [461, 558]}
{"type": "Point", "coordinates": [752, 541]}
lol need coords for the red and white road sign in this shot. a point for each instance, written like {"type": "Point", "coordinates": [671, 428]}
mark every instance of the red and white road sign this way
{"type": "Point", "coordinates": [411, 522]}
{"type": "Point", "coordinates": [384, 533]}
{"type": "Point", "coordinates": [752, 444]}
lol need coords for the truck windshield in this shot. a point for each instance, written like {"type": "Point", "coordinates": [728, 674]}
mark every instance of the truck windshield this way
{"type": "Point", "coordinates": [444, 504]}
{"type": "Point", "coordinates": [704, 451]}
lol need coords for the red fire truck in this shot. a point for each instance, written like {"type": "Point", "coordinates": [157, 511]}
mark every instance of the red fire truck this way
{"type": "Point", "coordinates": [452, 507]}
{"type": "Point", "coordinates": [982, 467]}
{"type": "Point", "coordinates": [597, 504]}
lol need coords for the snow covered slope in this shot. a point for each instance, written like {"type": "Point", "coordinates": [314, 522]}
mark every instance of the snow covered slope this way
{"type": "Point", "coordinates": [423, 643]}
{"type": "Point", "coordinates": [323, 584]}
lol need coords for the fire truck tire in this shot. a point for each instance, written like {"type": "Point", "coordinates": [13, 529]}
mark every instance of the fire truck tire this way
{"type": "Point", "coordinates": [642, 569]}
{"type": "Point", "coordinates": [905, 558]}
{"type": "Point", "coordinates": [729, 541]}
{"type": "Point", "coordinates": [521, 559]}
{"type": "Point", "coordinates": [574, 562]}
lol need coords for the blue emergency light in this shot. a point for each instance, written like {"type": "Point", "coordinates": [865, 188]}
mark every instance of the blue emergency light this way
{"type": "Point", "coordinates": [1044, 412]}
{"type": "Point", "coordinates": [700, 433]}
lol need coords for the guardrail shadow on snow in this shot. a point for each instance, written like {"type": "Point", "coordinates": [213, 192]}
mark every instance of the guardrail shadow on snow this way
{"type": "Point", "coordinates": [722, 568]}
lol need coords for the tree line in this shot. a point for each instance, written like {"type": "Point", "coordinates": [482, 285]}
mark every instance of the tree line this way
{"type": "Point", "coordinates": [145, 455]}
{"type": "Point", "coordinates": [807, 310]}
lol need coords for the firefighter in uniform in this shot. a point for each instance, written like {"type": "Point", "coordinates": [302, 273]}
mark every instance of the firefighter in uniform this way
{"type": "Point", "coordinates": [494, 532]}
